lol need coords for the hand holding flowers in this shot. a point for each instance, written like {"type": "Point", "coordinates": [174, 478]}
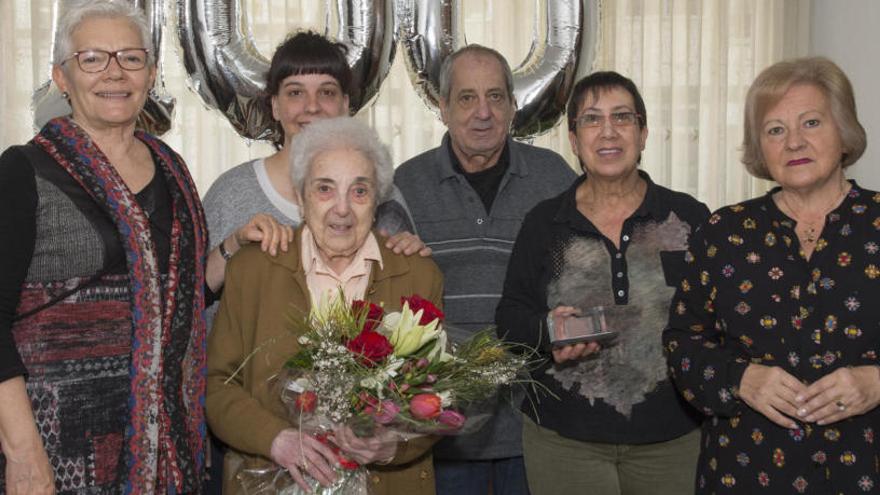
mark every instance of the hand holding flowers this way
{"type": "Point", "coordinates": [380, 447]}
{"type": "Point", "coordinates": [300, 453]}
{"type": "Point", "coordinates": [363, 381]}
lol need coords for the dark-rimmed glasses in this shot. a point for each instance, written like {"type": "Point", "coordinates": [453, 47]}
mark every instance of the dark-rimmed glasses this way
{"type": "Point", "coordinates": [618, 119]}
{"type": "Point", "coordinates": [93, 61]}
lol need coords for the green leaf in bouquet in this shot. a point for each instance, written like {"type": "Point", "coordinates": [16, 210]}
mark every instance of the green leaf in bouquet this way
{"type": "Point", "coordinates": [302, 360]}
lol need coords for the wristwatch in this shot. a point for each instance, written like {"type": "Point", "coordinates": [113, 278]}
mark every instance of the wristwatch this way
{"type": "Point", "coordinates": [223, 252]}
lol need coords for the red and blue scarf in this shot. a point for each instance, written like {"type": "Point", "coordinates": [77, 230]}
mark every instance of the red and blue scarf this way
{"type": "Point", "coordinates": [165, 430]}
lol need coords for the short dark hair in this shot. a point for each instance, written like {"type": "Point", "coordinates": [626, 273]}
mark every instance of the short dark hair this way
{"type": "Point", "coordinates": [602, 81]}
{"type": "Point", "coordinates": [305, 52]}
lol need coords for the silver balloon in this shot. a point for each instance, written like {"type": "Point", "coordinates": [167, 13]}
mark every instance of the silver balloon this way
{"type": "Point", "coordinates": [432, 29]}
{"type": "Point", "coordinates": [228, 72]}
{"type": "Point", "coordinates": [47, 102]}
{"type": "Point", "coordinates": [158, 111]}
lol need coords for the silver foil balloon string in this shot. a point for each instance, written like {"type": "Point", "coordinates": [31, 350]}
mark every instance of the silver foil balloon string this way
{"type": "Point", "coordinates": [228, 72]}
{"type": "Point", "coordinates": [155, 118]}
{"type": "Point", "coordinates": [430, 30]}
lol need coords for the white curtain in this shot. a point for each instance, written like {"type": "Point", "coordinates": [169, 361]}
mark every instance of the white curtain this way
{"type": "Point", "coordinates": [692, 59]}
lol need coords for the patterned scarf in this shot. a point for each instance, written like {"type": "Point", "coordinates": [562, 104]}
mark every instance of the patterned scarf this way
{"type": "Point", "coordinates": [165, 431]}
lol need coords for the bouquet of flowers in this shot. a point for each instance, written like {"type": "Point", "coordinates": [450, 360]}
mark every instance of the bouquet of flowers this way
{"type": "Point", "coordinates": [370, 371]}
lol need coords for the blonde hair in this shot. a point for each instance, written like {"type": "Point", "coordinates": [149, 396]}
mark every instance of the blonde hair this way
{"type": "Point", "coordinates": [772, 84]}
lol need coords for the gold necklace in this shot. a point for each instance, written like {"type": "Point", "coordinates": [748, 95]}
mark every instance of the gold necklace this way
{"type": "Point", "coordinates": [811, 234]}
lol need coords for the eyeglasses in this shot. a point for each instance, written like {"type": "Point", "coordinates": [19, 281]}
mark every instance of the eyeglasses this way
{"type": "Point", "coordinates": [618, 119]}
{"type": "Point", "coordinates": [93, 61]}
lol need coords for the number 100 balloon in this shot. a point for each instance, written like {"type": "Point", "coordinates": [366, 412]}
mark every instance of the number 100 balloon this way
{"type": "Point", "coordinates": [228, 72]}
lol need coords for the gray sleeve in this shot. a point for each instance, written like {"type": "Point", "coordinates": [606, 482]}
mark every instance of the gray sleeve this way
{"type": "Point", "coordinates": [393, 215]}
{"type": "Point", "coordinates": [230, 202]}
{"type": "Point", "coordinates": [213, 204]}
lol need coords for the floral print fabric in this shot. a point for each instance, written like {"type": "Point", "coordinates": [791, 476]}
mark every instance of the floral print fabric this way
{"type": "Point", "coordinates": [750, 296]}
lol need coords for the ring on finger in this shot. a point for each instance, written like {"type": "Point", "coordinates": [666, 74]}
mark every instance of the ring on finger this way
{"type": "Point", "coordinates": [840, 405]}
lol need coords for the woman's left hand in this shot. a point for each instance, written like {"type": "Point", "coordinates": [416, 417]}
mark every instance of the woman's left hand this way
{"type": "Point", "coordinates": [844, 393]}
{"type": "Point", "coordinates": [406, 243]}
{"type": "Point", "coordinates": [263, 228]}
{"type": "Point", "coordinates": [380, 447]}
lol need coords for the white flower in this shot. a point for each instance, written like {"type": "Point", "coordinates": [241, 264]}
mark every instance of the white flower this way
{"type": "Point", "coordinates": [394, 364]}
{"type": "Point", "coordinates": [368, 382]}
{"type": "Point", "coordinates": [303, 340]}
{"type": "Point", "coordinates": [445, 398]}
{"type": "Point", "coordinates": [438, 352]}
{"type": "Point", "coordinates": [406, 334]}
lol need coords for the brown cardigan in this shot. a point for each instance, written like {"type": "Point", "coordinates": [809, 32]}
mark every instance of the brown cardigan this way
{"type": "Point", "coordinates": [261, 294]}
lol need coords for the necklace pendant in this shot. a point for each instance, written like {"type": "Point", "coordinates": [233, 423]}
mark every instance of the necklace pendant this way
{"type": "Point", "coordinates": [810, 235]}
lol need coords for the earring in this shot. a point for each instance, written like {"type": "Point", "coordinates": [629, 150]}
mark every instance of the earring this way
{"type": "Point", "coordinates": [65, 95]}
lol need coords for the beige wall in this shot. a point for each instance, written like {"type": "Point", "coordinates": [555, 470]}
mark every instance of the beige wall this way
{"type": "Point", "coordinates": [848, 32]}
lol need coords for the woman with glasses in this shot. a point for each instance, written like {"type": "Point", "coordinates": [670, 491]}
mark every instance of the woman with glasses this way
{"type": "Point", "coordinates": [102, 281]}
{"type": "Point", "coordinates": [607, 255]}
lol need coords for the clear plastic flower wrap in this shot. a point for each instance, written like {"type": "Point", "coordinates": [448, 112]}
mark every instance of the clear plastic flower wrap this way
{"type": "Point", "coordinates": [385, 378]}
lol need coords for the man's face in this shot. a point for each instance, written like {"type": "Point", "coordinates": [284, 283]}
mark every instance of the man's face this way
{"type": "Point", "coordinates": [479, 110]}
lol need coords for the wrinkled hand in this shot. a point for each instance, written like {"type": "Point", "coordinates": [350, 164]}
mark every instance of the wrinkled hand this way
{"type": "Point", "coordinates": [772, 392]}
{"type": "Point", "coordinates": [406, 243]}
{"type": "Point", "coordinates": [29, 473]}
{"type": "Point", "coordinates": [302, 453]}
{"type": "Point", "coordinates": [380, 447]}
{"type": "Point", "coordinates": [841, 394]}
{"type": "Point", "coordinates": [263, 228]}
{"type": "Point", "coordinates": [576, 351]}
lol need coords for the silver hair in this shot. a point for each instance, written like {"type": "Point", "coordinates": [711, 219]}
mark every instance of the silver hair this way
{"type": "Point", "coordinates": [474, 49]}
{"type": "Point", "coordinates": [77, 11]}
{"type": "Point", "coordinates": [340, 133]}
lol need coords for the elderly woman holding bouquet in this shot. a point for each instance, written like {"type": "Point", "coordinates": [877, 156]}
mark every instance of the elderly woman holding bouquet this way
{"type": "Point", "coordinates": [342, 172]}
{"type": "Point", "coordinates": [773, 333]}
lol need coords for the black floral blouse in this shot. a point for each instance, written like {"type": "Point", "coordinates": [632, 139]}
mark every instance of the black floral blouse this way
{"type": "Point", "coordinates": [750, 296]}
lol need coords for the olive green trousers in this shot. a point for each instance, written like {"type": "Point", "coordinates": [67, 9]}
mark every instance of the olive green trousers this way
{"type": "Point", "coordinates": [557, 465]}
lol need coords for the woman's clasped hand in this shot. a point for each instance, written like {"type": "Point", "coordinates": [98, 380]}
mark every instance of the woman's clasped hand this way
{"type": "Point", "coordinates": [783, 399]}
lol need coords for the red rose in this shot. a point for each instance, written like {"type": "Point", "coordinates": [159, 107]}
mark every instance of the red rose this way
{"type": "Point", "coordinates": [371, 314]}
{"type": "Point", "coordinates": [372, 346]}
{"type": "Point", "coordinates": [430, 313]}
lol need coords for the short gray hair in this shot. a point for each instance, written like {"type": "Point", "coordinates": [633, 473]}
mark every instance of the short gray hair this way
{"type": "Point", "coordinates": [474, 49]}
{"type": "Point", "coordinates": [77, 11]}
{"type": "Point", "coordinates": [340, 133]}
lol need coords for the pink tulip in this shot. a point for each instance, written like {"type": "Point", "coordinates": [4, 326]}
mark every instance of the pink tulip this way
{"type": "Point", "coordinates": [425, 406]}
{"type": "Point", "coordinates": [453, 419]}
{"type": "Point", "coordinates": [387, 412]}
